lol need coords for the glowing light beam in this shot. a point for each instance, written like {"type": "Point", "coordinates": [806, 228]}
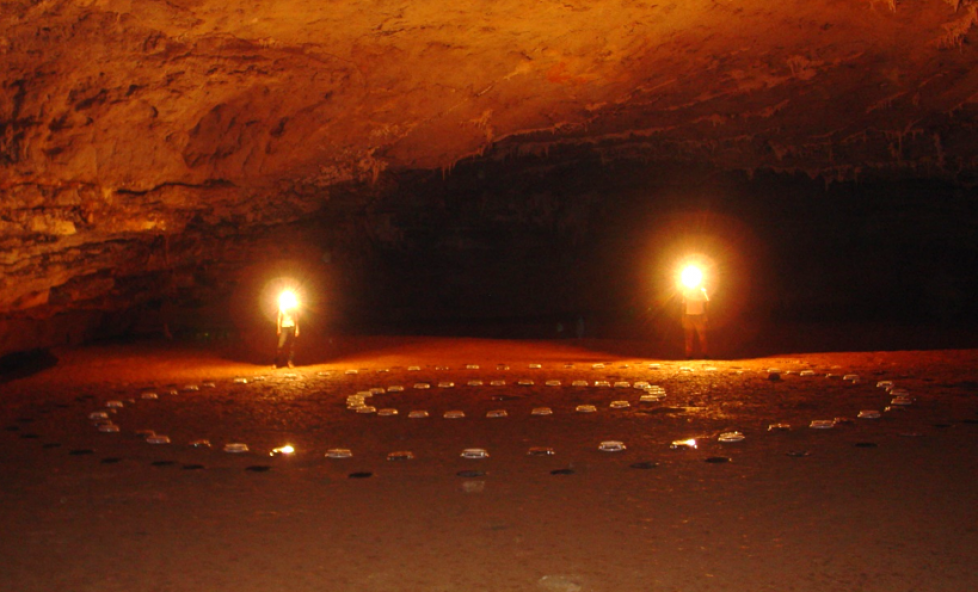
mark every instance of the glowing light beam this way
{"type": "Point", "coordinates": [288, 300]}
{"type": "Point", "coordinates": [691, 276]}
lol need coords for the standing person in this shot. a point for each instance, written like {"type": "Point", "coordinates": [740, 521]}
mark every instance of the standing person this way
{"type": "Point", "coordinates": [694, 318]}
{"type": "Point", "coordinates": [287, 327]}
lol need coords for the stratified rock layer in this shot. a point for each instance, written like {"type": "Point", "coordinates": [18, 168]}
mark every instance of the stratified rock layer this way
{"type": "Point", "coordinates": [124, 123]}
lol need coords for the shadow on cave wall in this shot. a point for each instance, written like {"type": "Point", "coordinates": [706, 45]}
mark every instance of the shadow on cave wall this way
{"type": "Point", "coordinates": [26, 363]}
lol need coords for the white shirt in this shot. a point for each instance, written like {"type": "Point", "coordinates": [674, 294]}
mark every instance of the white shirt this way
{"type": "Point", "coordinates": [694, 301]}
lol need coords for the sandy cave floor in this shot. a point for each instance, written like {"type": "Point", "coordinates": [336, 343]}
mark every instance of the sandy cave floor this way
{"type": "Point", "coordinates": [870, 505]}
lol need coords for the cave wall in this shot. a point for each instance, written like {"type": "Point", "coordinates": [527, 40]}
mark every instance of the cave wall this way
{"type": "Point", "coordinates": [507, 248]}
{"type": "Point", "coordinates": [473, 160]}
{"type": "Point", "coordinates": [513, 246]}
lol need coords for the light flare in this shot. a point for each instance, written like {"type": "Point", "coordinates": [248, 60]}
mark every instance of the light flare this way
{"type": "Point", "coordinates": [691, 276]}
{"type": "Point", "coordinates": [288, 300]}
{"type": "Point", "coordinates": [283, 450]}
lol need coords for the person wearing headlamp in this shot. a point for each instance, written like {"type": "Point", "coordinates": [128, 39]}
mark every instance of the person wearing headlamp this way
{"type": "Point", "coordinates": [287, 328]}
{"type": "Point", "coordinates": [695, 304]}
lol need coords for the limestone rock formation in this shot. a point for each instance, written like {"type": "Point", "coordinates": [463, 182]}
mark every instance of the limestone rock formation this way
{"type": "Point", "coordinates": [128, 124]}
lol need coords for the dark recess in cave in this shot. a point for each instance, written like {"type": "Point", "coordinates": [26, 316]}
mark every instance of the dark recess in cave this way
{"type": "Point", "coordinates": [524, 248]}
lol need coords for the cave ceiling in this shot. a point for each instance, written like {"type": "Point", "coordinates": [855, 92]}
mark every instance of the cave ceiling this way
{"type": "Point", "coordinates": [123, 120]}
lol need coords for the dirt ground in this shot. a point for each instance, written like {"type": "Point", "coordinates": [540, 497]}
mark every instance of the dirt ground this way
{"type": "Point", "coordinates": [868, 505]}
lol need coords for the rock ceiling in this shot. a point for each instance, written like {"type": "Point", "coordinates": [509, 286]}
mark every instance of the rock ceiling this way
{"type": "Point", "coordinates": [122, 120]}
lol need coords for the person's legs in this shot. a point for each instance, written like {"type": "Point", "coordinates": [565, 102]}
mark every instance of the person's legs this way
{"type": "Point", "coordinates": [283, 342]}
{"type": "Point", "coordinates": [694, 329]}
{"type": "Point", "coordinates": [689, 332]}
{"type": "Point", "coordinates": [701, 335]}
{"type": "Point", "coordinates": [291, 345]}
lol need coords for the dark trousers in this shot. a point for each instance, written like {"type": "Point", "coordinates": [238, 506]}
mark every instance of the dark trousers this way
{"type": "Point", "coordinates": [286, 344]}
{"type": "Point", "coordinates": [694, 327]}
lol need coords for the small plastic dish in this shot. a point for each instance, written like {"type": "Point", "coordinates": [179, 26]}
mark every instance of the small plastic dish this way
{"type": "Point", "coordinates": [885, 384]}
{"type": "Point", "coordinates": [471, 366]}
{"type": "Point", "coordinates": [553, 383]}
{"type": "Point", "coordinates": [641, 385]}
{"type": "Point", "coordinates": [401, 455]}
{"type": "Point", "coordinates": [542, 411]}
{"type": "Point", "coordinates": [902, 401]}
{"type": "Point", "coordinates": [730, 437]}
{"type": "Point", "coordinates": [474, 383]}
{"type": "Point", "coordinates": [611, 446]}
{"type": "Point", "coordinates": [655, 366]}
{"type": "Point", "coordinates": [597, 366]}
{"type": "Point", "coordinates": [454, 414]}
{"type": "Point", "coordinates": [364, 394]}
{"type": "Point", "coordinates": [651, 398]}
{"type": "Point", "coordinates": [585, 409]}
{"type": "Point", "coordinates": [386, 412]}
{"type": "Point", "coordinates": [579, 383]}
{"type": "Point", "coordinates": [778, 427]}
{"type": "Point", "coordinates": [339, 453]}
{"type": "Point", "coordinates": [208, 385]}
{"type": "Point", "coordinates": [377, 391]}
{"type": "Point", "coordinates": [807, 373]}
{"type": "Point", "coordinates": [475, 453]}
{"type": "Point", "coordinates": [623, 384]}
{"type": "Point", "coordinates": [540, 451]}
{"type": "Point", "coordinates": [149, 396]}
{"type": "Point", "coordinates": [535, 366]}
{"type": "Point", "coordinates": [497, 413]}
{"type": "Point", "coordinates": [240, 380]}
{"type": "Point", "coordinates": [419, 414]}
{"type": "Point", "coordinates": [366, 409]}
{"type": "Point", "coordinates": [422, 385]}
{"type": "Point", "coordinates": [899, 392]}
{"type": "Point", "coordinates": [446, 385]}
{"type": "Point", "coordinates": [414, 368]}
{"type": "Point", "coordinates": [822, 424]}
{"type": "Point", "coordinates": [158, 439]}
{"type": "Point", "coordinates": [868, 414]}
{"type": "Point", "coordinates": [850, 377]}
{"type": "Point", "coordinates": [191, 387]}
{"type": "Point", "coordinates": [498, 383]}
{"type": "Point", "coordinates": [685, 369]}
{"type": "Point", "coordinates": [98, 415]}
{"type": "Point", "coordinates": [199, 444]}
{"type": "Point", "coordinates": [108, 428]}
{"type": "Point", "coordinates": [525, 382]}
{"type": "Point", "coordinates": [442, 368]}
{"type": "Point", "coordinates": [620, 404]}
{"type": "Point", "coordinates": [395, 389]}
{"type": "Point", "coordinates": [602, 384]}
{"type": "Point", "coordinates": [351, 372]}
{"type": "Point", "coordinates": [688, 444]}
{"type": "Point", "coordinates": [236, 448]}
